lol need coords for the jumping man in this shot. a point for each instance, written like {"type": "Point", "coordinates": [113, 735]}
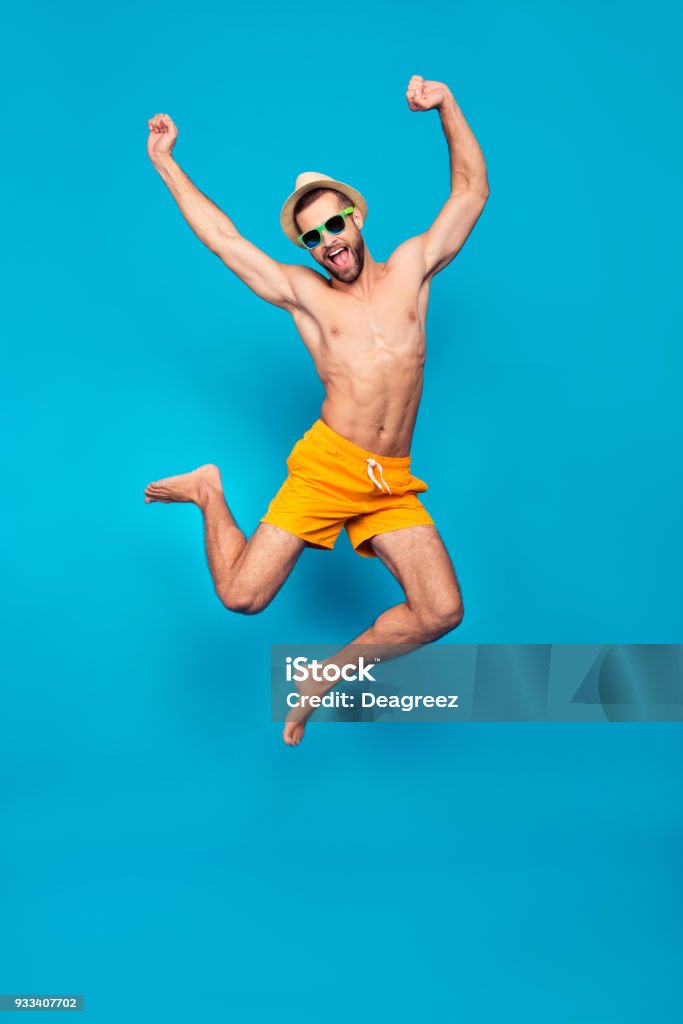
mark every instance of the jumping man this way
{"type": "Point", "coordinates": [364, 326]}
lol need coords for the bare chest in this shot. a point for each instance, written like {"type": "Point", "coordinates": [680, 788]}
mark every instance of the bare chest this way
{"type": "Point", "coordinates": [390, 324]}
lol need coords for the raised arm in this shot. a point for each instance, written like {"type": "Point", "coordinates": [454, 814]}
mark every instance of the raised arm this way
{"type": "Point", "coordinates": [469, 187]}
{"type": "Point", "coordinates": [269, 279]}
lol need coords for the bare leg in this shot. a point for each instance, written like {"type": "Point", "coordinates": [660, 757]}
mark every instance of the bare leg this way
{"type": "Point", "coordinates": [246, 573]}
{"type": "Point", "coordinates": [418, 559]}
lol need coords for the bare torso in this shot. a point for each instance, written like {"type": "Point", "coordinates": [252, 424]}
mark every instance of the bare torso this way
{"type": "Point", "coordinates": [369, 351]}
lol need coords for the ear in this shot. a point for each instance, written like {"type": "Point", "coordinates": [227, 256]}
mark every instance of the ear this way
{"type": "Point", "coordinates": [357, 217]}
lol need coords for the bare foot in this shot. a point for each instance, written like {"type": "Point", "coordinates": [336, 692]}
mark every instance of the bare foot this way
{"type": "Point", "coordinates": [193, 486]}
{"type": "Point", "coordinates": [295, 723]}
{"type": "Point", "coordinates": [293, 733]}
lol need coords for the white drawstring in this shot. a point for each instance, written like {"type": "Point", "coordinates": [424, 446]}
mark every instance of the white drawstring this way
{"type": "Point", "coordinates": [371, 463]}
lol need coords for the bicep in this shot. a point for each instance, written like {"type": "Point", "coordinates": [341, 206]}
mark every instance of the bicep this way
{"type": "Point", "coordinates": [451, 229]}
{"type": "Point", "coordinates": [268, 278]}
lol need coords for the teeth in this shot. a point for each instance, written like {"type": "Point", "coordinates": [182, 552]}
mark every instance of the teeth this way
{"type": "Point", "coordinates": [335, 251]}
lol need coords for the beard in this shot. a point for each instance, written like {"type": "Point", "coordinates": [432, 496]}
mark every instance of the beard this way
{"type": "Point", "coordinates": [354, 267]}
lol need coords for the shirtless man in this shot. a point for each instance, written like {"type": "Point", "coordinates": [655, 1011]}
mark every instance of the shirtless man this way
{"type": "Point", "coordinates": [364, 327]}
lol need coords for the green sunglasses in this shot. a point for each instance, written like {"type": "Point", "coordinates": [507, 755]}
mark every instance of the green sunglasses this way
{"type": "Point", "coordinates": [335, 225]}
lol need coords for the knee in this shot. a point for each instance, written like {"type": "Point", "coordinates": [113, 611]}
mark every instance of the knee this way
{"type": "Point", "coordinates": [240, 599]}
{"type": "Point", "coordinates": [444, 616]}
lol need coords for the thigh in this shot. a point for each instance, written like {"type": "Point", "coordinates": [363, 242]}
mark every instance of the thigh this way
{"type": "Point", "coordinates": [417, 557]}
{"type": "Point", "coordinates": [267, 560]}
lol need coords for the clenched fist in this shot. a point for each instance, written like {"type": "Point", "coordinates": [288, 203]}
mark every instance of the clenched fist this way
{"type": "Point", "coordinates": [423, 95]}
{"type": "Point", "coordinates": [162, 136]}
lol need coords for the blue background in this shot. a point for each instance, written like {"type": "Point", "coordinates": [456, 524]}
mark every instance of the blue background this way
{"type": "Point", "coordinates": [162, 851]}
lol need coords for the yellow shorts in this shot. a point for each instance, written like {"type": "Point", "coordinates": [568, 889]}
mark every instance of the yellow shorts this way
{"type": "Point", "coordinates": [333, 483]}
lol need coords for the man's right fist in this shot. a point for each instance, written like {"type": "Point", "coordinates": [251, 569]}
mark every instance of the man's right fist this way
{"type": "Point", "coordinates": [162, 136]}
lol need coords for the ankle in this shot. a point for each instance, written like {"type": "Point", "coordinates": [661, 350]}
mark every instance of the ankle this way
{"type": "Point", "coordinates": [207, 494]}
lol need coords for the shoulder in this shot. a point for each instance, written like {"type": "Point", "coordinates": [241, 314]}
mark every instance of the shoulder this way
{"type": "Point", "coordinates": [409, 258]}
{"type": "Point", "coordinates": [303, 275]}
{"type": "Point", "coordinates": [409, 254]}
{"type": "Point", "coordinates": [305, 283]}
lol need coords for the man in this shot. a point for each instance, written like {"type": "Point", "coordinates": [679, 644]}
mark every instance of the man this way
{"type": "Point", "coordinates": [364, 326]}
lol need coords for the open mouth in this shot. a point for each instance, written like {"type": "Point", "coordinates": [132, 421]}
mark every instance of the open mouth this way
{"type": "Point", "coordinates": [339, 256]}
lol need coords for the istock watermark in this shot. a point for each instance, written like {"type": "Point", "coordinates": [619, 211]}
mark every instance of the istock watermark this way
{"type": "Point", "coordinates": [299, 670]}
{"type": "Point", "coordinates": [479, 682]}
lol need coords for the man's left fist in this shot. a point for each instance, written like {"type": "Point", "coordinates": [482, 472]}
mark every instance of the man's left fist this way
{"type": "Point", "coordinates": [423, 95]}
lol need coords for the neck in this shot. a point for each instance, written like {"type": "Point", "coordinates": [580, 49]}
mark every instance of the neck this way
{"type": "Point", "coordinates": [366, 280]}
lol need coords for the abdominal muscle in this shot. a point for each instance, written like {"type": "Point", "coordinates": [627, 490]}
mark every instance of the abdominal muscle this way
{"type": "Point", "coordinates": [374, 405]}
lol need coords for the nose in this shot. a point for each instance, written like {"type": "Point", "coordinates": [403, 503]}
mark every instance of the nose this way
{"type": "Point", "coordinates": [330, 240]}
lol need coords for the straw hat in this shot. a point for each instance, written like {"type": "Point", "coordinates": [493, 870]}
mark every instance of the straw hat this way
{"type": "Point", "coordinates": [306, 182]}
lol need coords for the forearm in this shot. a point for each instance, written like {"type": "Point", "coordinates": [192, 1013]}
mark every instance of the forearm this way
{"type": "Point", "coordinates": [468, 167]}
{"type": "Point", "coordinates": [206, 219]}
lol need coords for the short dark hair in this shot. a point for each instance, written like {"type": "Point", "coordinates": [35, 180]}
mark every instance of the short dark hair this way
{"type": "Point", "coordinates": [310, 197]}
